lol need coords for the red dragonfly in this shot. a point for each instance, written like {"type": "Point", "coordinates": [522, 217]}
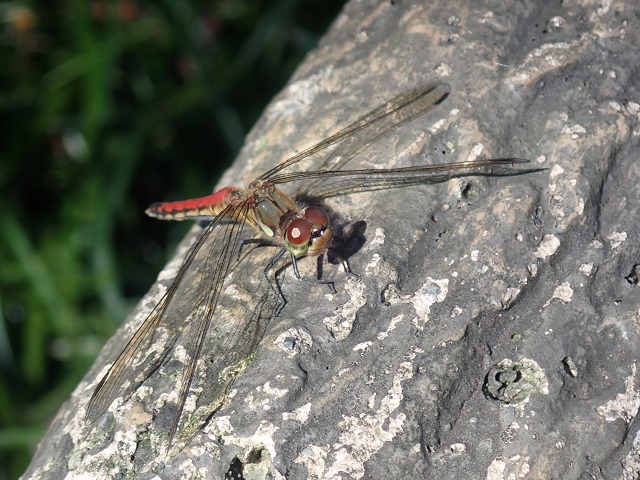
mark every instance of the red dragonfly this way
{"type": "Point", "coordinates": [193, 306]}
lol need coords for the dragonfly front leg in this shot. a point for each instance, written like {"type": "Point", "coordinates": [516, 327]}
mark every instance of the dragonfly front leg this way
{"type": "Point", "coordinates": [329, 283]}
{"type": "Point", "coordinates": [275, 284]}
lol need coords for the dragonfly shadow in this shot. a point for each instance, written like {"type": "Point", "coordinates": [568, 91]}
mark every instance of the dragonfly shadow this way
{"type": "Point", "coordinates": [347, 241]}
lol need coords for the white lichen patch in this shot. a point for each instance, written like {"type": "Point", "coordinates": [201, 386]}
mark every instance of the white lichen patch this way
{"type": "Point", "coordinates": [373, 263]}
{"type": "Point", "coordinates": [626, 404]}
{"type": "Point", "coordinates": [546, 58]}
{"type": "Point", "coordinates": [115, 458]}
{"type": "Point", "coordinates": [300, 415]}
{"type": "Point", "coordinates": [475, 152]}
{"type": "Point", "coordinates": [562, 292]}
{"type": "Point", "coordinates": [362, 347]}
{"type": "Point", "coordinates": [126, 442]}
{"type": "Point", "coordinates": [458, 448]}
{"type": "Point", "coordinates": [180, 354]}
{"type": "Point", "coordinates": [443, 70]}
{"type": "Point", "coordinates": [293, 341]}
{"type": "Point", "coordinates": [378, 237]}
{"type": "Point", "coordinates": [603, 9]}
{"type": "Point", "coordinates": [341, 323]}
{"type": "Point", "coordinates": [556, 170]}
{"type": "Point", "coordinates": [189, 470]}
{"type": "Point", "coordinates": [547, 247]}
{"type": "Point", "coordinates": [220, 428]}
{"type": "Point", "coordinates": [617, 238]}
{"type": "Point", "coordinates": [574, 131]}
{"type": "Point", "coordinates": [586, 269]}
{"type": "Point", "coordinates": [265, 394]}
{"type": "Point", "coordinates": [314, 458]}
{"type": "Point", "coordinates": [437, 126]}
{"type": "Point", "coordinates": [633, 109]}
{"type": "Point", "coordinates": [392, 326]}
{"type": "Point", "coordinates": [430, 293]}
{"type": "Point", "coordinates": [361, 436]}
{"type": "Point", "coordinates": [514, 467]}
{"type": "Point", "coordinates": [380, 268]}
{"type": "Point", "coordinates": [596, 245]}
{"type": "Point", "coordinates": [233, 291]}
{"type": "Point", "coordinates": [509, 296]}
{"type": "Point", "coordinates": [272, 391]}
{"type": "Point", "coordinates": [555, 23]}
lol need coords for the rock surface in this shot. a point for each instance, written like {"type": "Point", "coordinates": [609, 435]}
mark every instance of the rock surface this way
{"type": "Point", "coordinates": [493, 330]}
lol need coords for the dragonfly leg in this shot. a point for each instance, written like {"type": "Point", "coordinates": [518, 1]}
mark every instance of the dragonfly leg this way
{"type": "Point", "coordinates": [274, 284]}
{"type": "Point", "coordinates": [258, 242]}
{"type": "Point", "coordinates": [294, 263]}
{"type": "Point", "coordinates": [329, 283]}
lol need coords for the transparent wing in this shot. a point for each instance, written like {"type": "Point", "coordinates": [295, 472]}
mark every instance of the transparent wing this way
{"type": "Point", "coordinates": [138, 359]}
{"type": "Point", "coordinates": [183, 317]}
{"type": "Point", "coordinates": [370, 128]}
{"type": "Point", "coordinates": [353, 181]}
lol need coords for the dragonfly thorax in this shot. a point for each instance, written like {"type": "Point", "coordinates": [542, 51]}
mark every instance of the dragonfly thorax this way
{"type": "Point", "coordinates": [305, 231]}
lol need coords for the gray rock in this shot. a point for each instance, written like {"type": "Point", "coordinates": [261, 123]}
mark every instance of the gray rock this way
{"type": "Point", "coordinates": [388, 377]}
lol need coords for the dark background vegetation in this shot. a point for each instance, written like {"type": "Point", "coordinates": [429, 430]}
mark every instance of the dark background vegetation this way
{"type": "Point", "coordinates": [107, 106]}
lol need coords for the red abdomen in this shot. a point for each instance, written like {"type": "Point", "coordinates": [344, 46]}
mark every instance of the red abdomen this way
{"type": "Point", "coordinates": [193, 209]}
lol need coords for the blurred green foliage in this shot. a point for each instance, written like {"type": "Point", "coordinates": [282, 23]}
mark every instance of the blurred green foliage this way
{"type": "Point", "coordinates": [107, 106]}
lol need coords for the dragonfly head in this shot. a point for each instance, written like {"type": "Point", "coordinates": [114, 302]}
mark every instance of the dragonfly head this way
{"type": "Point", "coordinates": [310, 234]}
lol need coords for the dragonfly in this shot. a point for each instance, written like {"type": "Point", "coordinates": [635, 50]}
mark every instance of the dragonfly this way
{"type": "Point", "coordinates": [218, 256]}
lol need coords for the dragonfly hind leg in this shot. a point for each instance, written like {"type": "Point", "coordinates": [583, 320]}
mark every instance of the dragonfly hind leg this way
{"type": "Point", "coordinates": [257, 242]}
{"type": "Point", "coordinates": [281, 301]}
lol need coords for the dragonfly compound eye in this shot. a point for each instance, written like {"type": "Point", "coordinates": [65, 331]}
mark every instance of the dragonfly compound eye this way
{"type": "Point", "coordinates": [299, 232]}
{"type": "Point", "coordinates": [321, 233]}
{"type": "Point", "coordinates": [317, 217]}
{"type": "Point", "coordinates": [298, 236]}
{"type": "Point", "coordinates": [309, 235]}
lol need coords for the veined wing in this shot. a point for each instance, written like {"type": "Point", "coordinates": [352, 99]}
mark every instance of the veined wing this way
{"type": "Point", "coordinates": [370, 128]}
{"type": "Point", "coordinates": [183, 314]}
{"type": "Point", "coordinates": [362, 180]}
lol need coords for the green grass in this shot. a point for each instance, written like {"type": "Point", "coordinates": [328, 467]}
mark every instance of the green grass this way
{"type": "Point", "coordinates": [107, 106]}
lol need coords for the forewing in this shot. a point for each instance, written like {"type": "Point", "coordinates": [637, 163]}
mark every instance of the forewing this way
{"type": "Point", "coordinates": [358, 136]}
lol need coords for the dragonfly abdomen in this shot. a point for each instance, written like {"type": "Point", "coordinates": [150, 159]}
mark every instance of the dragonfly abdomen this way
{"type": "Point", "coordinates": [193, 209]}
